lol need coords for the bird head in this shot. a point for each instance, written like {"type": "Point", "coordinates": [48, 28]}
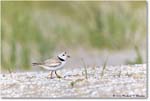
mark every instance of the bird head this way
{"type": "Point", "coordinates": [63, 56]}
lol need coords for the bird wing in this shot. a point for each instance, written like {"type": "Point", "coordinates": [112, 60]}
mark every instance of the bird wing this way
{"type": "Point", "coordinates": [54, 62]}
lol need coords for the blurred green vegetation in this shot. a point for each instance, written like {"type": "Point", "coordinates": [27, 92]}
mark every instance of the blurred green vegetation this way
{"type": "Point", "coordinates": [37, 28]}
{"type": "Point", "coordinates": [138, 59]}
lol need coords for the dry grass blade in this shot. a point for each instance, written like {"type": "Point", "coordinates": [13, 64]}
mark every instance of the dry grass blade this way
{"type": "Point", "coordinates": [119, 74]}
{"type": "Point", "coordinates": [9, 70]}
{"type": "Point", "coordinates": [104, 67]}
{"type": "Point", "coordinates": [75, 82]}
{"type": "Point", "coordinates": [85, 69]}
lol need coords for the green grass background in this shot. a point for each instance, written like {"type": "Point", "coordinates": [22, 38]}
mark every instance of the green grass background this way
{"type": "Point", "coordinates": [39, 28]}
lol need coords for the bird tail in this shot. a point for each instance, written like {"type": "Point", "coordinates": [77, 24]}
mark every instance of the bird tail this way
{"type": "Point", "coordinates": [35, 64]}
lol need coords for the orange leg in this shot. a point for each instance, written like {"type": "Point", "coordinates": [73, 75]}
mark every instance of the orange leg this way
{"type": "Point", "coordinates": [58, 76]}
{"type": "Point", "coordinates": [50, 75]}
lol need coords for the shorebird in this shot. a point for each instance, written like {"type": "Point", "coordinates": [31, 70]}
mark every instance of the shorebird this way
{"type": "Point", "coordinates": [54, 64]}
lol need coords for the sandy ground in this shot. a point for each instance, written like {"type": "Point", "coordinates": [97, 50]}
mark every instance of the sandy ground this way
{"type": "Point", "coordinates": [123, 81]}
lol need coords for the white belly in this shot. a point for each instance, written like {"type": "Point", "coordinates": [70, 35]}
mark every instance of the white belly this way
{"type": "Point", "coordinates": [53, 68]}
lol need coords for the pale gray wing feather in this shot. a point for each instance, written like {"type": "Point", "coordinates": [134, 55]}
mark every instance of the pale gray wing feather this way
{"type": "Point", "coordinates": [54, 62]}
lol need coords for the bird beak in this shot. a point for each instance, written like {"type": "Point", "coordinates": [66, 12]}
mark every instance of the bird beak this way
{"type": "Point", "coordinates": [68, 56]}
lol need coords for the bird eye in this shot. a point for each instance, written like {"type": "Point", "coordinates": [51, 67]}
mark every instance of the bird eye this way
{"type": "Point", "coordinates": [63, 55]}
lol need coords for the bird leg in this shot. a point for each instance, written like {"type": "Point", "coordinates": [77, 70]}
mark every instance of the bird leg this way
{"type": "Point", "coordinates": [58, 76]}
{"type": "Point", "coordinates": [50, 75]}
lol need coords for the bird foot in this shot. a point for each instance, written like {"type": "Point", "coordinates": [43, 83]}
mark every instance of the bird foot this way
{"type": "Point", "coordinates": [58, 76]}
{"type": "Point", "coordinates": [49, 77]}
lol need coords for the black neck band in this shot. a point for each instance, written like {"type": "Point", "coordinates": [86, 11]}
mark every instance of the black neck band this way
{"type": "Point", "coordinates": [60, 58]}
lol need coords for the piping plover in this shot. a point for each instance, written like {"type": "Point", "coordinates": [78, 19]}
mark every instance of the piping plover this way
{"type": "Point", "coordinates": [54, 64]}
